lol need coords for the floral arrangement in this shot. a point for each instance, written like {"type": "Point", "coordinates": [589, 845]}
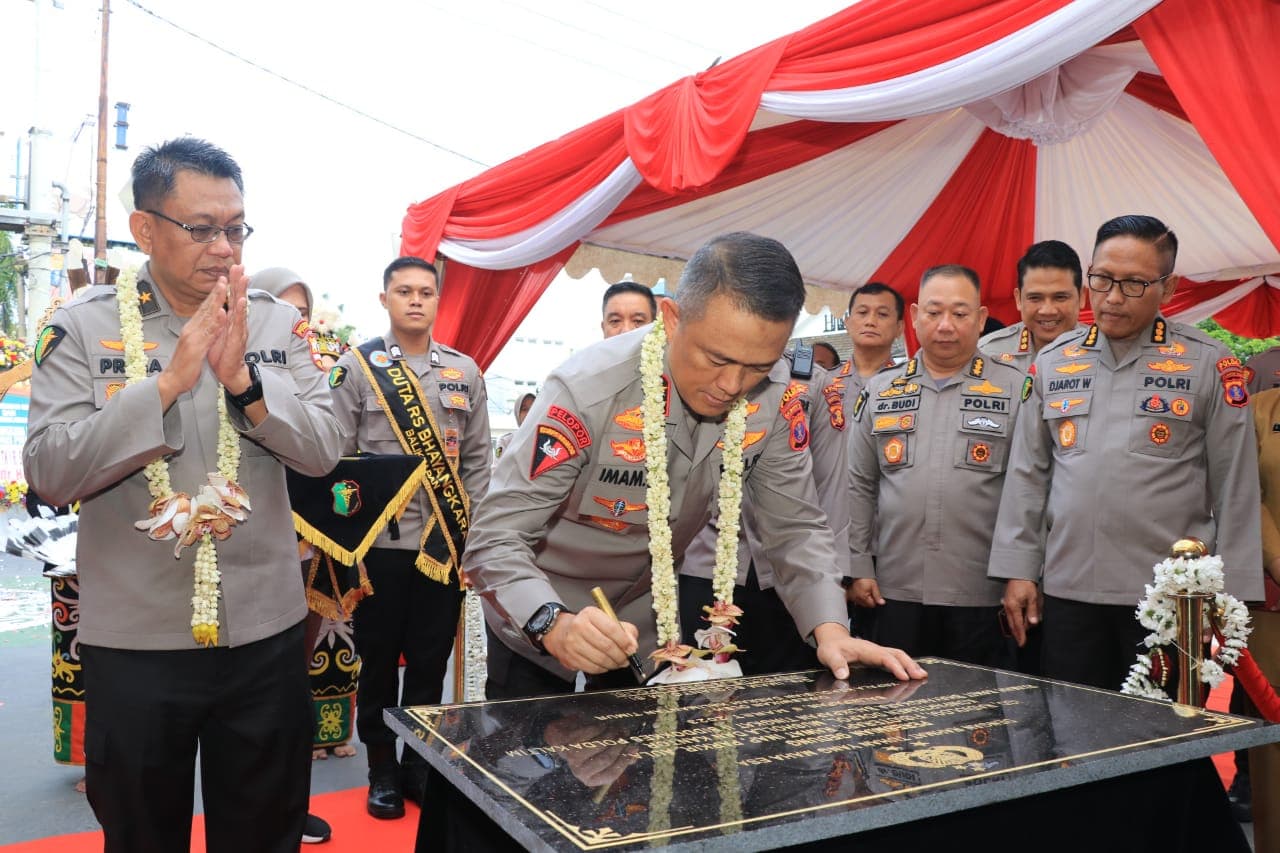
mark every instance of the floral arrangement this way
{"type": "Point", "coordinates": [13, 493]}
{"type": "Point", "coordinates": [214, 510]}
{"type": "Point", "coordinates": [723, 615]}
{"type": "Point", "coordinates": [1229, 618]}
{"type": "Point", "coordinates": [13, 351]}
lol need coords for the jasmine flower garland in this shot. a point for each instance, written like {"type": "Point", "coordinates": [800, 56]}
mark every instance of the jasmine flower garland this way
{"type": "Point", "coordinates": [658, 494]}
{"type": "Point", "coordinates": [215, 509]}
{"type": "Point", "coordinates": [1182, 576]}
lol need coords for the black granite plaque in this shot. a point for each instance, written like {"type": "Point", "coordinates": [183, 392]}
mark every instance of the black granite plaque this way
{"type": "Point", "coordinates": [763, 762]}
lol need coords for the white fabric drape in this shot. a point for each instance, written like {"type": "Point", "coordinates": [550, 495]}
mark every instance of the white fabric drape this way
{"type": "Point", "coordinates": [552, 234]}
{"type": "Point", "coordinates": [980, 74]}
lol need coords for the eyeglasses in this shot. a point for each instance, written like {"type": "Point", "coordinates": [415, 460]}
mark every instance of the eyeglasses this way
{"type": "Point", "coordinates": [1130, 287]}
{"type": "Point", "coordinates": [236, 234]}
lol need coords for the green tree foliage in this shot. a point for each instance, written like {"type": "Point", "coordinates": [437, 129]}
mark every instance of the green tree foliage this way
{"type": "Point", "coordinates": [1242, 348]}
{"type": "Point", "coordinates": [9, 287]}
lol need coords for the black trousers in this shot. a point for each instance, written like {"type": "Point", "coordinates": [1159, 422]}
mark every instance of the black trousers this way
{"type": "Point", "coordinates": [1093, 644]}
{"type": "Point", "coordinates": [967, 634]}
{"type": "Point", "coordinates": [767, 633]}
{"type": "Point", "coordinates": [247, 708]}
{"type": "Point", "coordinates": [411, 615]}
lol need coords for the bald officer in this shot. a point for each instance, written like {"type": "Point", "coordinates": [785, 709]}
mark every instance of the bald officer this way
{"type": "Point", "coordinates": [1135, 433]}
{"type": "Point", "coordinates": [1048, 297]}
{"type": "Point", "coordinates": [567, 507]}
{"type": "Point", "coordinates": [927, 457]}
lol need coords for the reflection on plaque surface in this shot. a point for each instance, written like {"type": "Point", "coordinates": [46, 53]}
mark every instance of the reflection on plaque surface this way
{"type": "Point", "coordinates": [739, 758]}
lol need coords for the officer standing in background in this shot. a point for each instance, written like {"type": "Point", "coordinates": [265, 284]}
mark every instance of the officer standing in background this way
{"type": "Point", "coordinates": [927, 454]}
{"type": "Point", "coordinates": [873, 322]}
{"type": "Point", "coordinates": [406, 393]}
{"type": "Point", "coordinates": [1135, 433]}
{"type": "Point", "coordinates": [1048, 297]}
{"type": "Point", "coordinates": [768, 632]}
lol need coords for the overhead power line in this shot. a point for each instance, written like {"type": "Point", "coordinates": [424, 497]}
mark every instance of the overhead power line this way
{"type": "Point", "coordinates": [304, 87]}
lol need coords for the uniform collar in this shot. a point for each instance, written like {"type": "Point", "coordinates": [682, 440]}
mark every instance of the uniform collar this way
{"type": "Point", "coordinates": [433, 350]}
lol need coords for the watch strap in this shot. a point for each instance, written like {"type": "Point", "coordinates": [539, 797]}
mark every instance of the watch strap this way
{"type": "Point", "coordinates": [250, 395]}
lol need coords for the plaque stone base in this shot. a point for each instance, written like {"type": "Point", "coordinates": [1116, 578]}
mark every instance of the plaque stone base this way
{"type": "Point", "coordinates": [773, 761]}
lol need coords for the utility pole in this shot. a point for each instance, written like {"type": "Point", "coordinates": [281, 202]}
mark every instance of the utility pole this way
{"type": "Point", "coordinates": [100, 226]}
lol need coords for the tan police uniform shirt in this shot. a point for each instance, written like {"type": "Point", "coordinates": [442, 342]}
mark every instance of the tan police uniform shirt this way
{"type": "Point", "coordinates": [1013, 345]}
{"type": "Point", "coordinates": [811, 425]}
{"type": "Point", "coordinates": [1262, 371]}
{"type": "Point", "coordinates": [926, 463]}
{"type": "Point", "coordinates": [89, 436]}
{"type": "Point", "coordinates": [454, 388]}
{"type": "Point", "coordinates": [566, 509]}
{"type": "Point", "coordinates": [1113, 461]}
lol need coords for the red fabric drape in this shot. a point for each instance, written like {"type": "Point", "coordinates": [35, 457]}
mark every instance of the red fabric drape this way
{"type": "Point", "coordinates": [880, 39]}
{"type": "Point", "coordinates": [481, 309]}
{"type": "Point", "coordinates": [519, 193]}
{"type": "Point", "coordinates": [984, 218]}
{"type": "Point", "coordinates": [1219, 59]}
{"type": "Point", "coordinates": [1152, 90]}
{"type": "Point", "coordinates": [1255, 316]}
{"type": "Point", "coordinates": [682, 136]}
{"type": "Point", "coordinates": [765, 152]}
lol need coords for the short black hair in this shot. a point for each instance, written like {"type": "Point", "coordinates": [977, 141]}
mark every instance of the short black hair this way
{"type": "Point", "coordinates": [156, 168]}
{"type": "Point", "coordinates": [952, 269]}
{"type": "Point", "coordinates": [757, 273]}
{"type": "Point", "coordinates": [406, 262]}
{"type": "Point", "coordinates": [828, 347]}
{"type": "Point", "coordinates": [1051, 254]}
{"type": "Point", "coordinates": [1148, 229]}
{"type": "Point", "coordinates": [873, 287]}
{"type": "Point", "coordinates": [629, 287]}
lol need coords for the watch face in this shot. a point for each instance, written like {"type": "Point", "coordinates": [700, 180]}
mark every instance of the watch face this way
{"type": "Point", "coordinates": [543, 618]}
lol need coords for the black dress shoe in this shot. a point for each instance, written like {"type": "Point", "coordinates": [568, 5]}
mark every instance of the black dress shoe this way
{"type": "Point", "coordinates": [385, 801]}
{"type": "Point", "coordinates": [413, 782]}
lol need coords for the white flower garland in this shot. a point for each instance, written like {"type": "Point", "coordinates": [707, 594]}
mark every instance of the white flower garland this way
{"type": "Point", "coordinates": [215, 509]}
{"type": "Point", "coordinates": [658, 494]}
{"type": "Point", "coordinates": [1183, 576]}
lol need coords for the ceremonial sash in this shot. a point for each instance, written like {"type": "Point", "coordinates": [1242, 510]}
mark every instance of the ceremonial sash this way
{"type": "Point", "coordinates": [396, 386]}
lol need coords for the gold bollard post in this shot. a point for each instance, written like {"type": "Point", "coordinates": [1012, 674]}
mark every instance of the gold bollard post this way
{"type": "Point", "coordinates": [1188, 643]}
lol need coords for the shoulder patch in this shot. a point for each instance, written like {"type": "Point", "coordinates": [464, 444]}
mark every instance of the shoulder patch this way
{"type": "Point", "coordinates": [337, 375]}
{"type": "Point", "coordinates": [1234, 386]}
{"type": "Point", "coordinates": [551, 448]}
{"type": "Point", "coordinates": [46, 342]}
{"type": "Point", "coordinates": [573, 422]}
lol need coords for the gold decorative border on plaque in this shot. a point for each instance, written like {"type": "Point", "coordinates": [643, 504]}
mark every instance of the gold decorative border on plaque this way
{"type": "Point", "coordinates": [605, 837]}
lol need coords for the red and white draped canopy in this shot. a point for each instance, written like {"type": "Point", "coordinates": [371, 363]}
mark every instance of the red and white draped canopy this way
{"type": "Point", "coordinates": [899, 134]}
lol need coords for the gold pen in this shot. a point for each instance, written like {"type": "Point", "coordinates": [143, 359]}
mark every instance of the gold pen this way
{"type": "Point", "coordinates": [603, 603]}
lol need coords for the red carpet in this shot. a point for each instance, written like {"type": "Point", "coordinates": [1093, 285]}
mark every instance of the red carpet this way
{"type": "Point", "coordinates": [353, 830]}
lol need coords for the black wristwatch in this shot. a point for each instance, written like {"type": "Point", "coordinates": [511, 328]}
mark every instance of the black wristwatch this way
{"type": "Point", "coordinates": [251, 395]}
{"type": "Point", "coordinates": [541, 621]}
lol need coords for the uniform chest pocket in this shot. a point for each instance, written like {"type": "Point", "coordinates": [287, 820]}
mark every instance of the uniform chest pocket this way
{"type": "Point", "coordinates": [1067, 417]}
{"type": "Point", "coordinates": [376, 424]}
{"type": "Point", "coordinates": [1162, 435]}
{"type": "Point", "coordinates": [455, 400]}
{"type": "Point", "coordinates": [895, 450]}
{"type": "Point", "coordinates": [615, 498]}
{"type": "Point", "coordinates": [987, 453]}
{"type": "Point", "coordinates": [105, 389]}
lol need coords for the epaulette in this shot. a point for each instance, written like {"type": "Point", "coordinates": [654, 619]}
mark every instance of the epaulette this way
{"type": "Point", "coordinates": [1065, 338]}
